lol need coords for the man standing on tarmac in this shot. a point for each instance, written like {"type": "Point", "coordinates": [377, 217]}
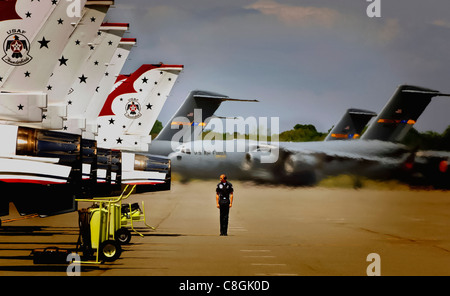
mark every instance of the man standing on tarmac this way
{"type": "Point", "coordinates": [224, 201]}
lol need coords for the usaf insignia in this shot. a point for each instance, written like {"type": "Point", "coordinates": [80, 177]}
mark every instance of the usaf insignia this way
{"type": "Point", "coordinates": [133, 109]}
{"type": "Point", "coordinates": [16, 47]}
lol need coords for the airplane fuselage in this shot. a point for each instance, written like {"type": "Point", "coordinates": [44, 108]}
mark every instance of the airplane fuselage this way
{"type": "Point", "coordinates": [295, 163]}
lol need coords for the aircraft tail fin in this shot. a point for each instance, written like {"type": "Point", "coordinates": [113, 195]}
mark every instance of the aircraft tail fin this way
{"type": "Point", "coordinates": [400, 113]}
{"type": "Point", "coordinates": [351, 125]}
{"type": "Point", "coordinates": [20, 22]}
{"type": "Point", "coordinates": [107, 83]}
{"type": "Point", "coordinates": [72, 59]}
{"type": "Point", "coordinates": [207, 101]}
{"type": "Point", "coordinates": [31, 44]}
{"type": "Point", "coordinates": [134, 107]}
{"type": "Point", "coordinates": [89, 77]}
{"type": "Point", "coordinates": [39, 55]}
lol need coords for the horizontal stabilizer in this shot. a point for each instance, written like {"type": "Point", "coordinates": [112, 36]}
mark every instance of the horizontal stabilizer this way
{"type": "Point", "coordinates": [434, 93]}
{"type": "Point", "coordinates": [361, 112]}
{"type": "Point", "coordinates": [221, 98]}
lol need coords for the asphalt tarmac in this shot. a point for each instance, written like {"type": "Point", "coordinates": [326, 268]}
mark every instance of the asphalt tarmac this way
{"type": "Point", "coordinates": [274, 231]}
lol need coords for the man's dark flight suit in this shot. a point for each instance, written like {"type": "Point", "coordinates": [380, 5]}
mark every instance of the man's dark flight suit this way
{"type": "Point", "coordinates": [224, 190]}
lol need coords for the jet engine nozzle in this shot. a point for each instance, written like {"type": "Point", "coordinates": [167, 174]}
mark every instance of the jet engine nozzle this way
{"type": "Point", "coordinates": [298, 170]}
{"type": "Point", "coordinates": [250, 160]}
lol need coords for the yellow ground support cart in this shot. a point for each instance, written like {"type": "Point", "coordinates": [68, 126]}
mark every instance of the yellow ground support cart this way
{"type": "Point", "coordinates": [131, 214]}
{"type": "Point", "coordinates": [99, 228]}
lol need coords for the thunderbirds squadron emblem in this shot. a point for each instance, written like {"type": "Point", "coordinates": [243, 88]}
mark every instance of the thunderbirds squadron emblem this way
{"type": "Point", "coordinates": [133, 109]}
{"type": "Point", "coordinates": [16, 47]}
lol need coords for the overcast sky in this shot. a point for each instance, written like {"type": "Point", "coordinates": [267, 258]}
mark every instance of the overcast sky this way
{"type": "Point", "coordinates": [306, 61]}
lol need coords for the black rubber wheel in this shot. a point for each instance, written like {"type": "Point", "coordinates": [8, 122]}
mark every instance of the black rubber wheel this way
{"type": "Point", "coordinates": [123, 236]}
{"type": "Point", "coordinates": [109, 251]}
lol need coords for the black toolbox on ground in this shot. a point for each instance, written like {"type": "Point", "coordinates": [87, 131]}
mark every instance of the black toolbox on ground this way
{"type": "Point", "coordinates": [50, 255]}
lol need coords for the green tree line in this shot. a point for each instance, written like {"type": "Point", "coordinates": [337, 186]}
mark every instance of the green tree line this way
{"type": "Point", "coordinates": [302, 133]}
{"type": "Point", "coordinates": [428, 140]}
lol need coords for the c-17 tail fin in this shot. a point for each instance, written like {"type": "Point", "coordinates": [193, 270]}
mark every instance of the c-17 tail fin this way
{"type": "Point", "coordinates": [188, 119]}
{"type": "Point", "coordinates": [351, 125]}
{"type": "Point", "coordinates": [400, 113]}
{"type": "Point", "coordinates": [207, 101]}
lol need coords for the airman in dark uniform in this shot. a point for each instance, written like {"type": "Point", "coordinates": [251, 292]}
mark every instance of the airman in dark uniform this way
{"type": "Point", "coordinates": [224, 201]}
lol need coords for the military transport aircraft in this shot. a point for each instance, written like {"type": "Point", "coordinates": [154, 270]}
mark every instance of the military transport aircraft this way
{"type": "Point", "coordinates": [377, 154]}
{"type": "Point", "coordinates": [201, 159]}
